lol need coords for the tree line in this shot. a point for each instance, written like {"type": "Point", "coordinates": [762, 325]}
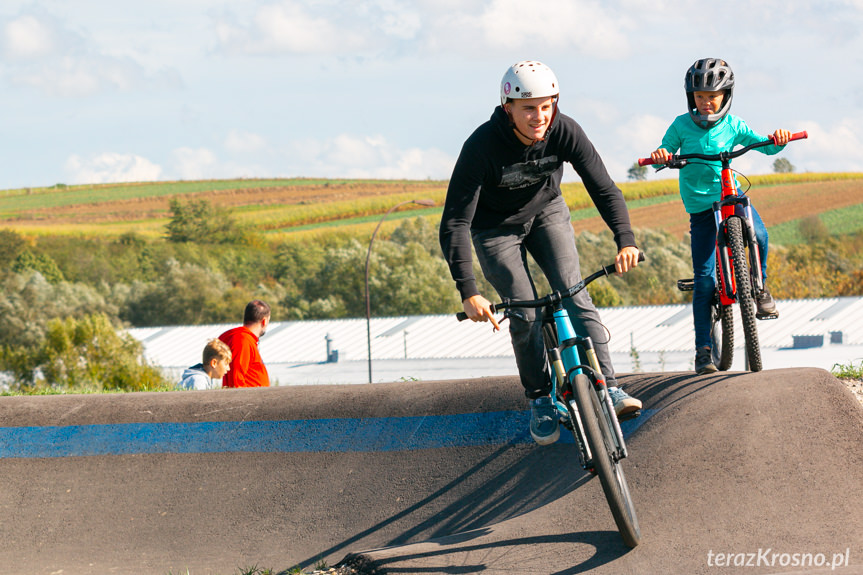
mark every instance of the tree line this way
{"type": "Point", "coordinates": [63, 299]}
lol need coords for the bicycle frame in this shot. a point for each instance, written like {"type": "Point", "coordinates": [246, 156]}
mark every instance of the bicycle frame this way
{"type": "Point", "coordinates": [726, 208]}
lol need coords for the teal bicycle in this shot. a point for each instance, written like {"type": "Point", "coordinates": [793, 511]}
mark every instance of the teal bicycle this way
{"type": "Point", "coordinates": [581, 397]}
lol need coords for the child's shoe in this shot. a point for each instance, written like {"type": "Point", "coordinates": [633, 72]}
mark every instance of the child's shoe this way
{"type": "Point", "coordinates": [765, 305]}
{"type": "Point", "coordinates": [704, 361]}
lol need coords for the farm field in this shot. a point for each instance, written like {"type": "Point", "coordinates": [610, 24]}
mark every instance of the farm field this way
{"type": "Point", "coordinates": [781, 205]}
{"type": "Point", "coordinates": [299, 206]}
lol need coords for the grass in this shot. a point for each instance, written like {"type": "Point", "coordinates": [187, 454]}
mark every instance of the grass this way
{"type": "Point", "coordinates": [78, 390]}
{"type": "Point", "coordinates": [841, 221]}
{"type": "Point", "coordinates": [590, 212]}
{"type": "Point", "coordinates": [848, 370]}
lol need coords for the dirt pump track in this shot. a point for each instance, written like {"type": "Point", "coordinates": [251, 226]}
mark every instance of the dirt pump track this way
{"type": "Point", "coordinates": [730, 463]}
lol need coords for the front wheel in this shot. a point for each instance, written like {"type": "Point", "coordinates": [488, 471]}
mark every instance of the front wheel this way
{"type": "Point", "coordinates": [605, 460]}
{"type": "Point", "coordinates": [745, 297]}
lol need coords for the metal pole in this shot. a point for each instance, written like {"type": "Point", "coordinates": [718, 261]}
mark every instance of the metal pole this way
{"type": "Point", "coordinates": [368, 258]}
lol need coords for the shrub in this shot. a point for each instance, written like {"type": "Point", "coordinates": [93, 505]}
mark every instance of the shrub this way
{"type": "Point", "coordinates": [201, 222]}
{"type": "Point", "coordinates": [86, 353]}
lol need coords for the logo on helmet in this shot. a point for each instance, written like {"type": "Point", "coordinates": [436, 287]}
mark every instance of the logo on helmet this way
{"type": "Point", "coordinates": [527, 94]}
{"type": "Point", "coordinates": [506, 88]}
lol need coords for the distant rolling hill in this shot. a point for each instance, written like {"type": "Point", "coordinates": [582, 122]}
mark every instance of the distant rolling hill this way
{"type": "Point", "coordinates": [284, 207]}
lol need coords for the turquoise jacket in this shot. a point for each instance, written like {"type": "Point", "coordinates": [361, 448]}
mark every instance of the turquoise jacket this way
{"type": "Point", "coordinates": [699, 183]}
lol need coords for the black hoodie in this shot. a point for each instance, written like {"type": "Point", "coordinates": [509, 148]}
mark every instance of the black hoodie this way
{"type": "Point", "coordinates": [498, 181]}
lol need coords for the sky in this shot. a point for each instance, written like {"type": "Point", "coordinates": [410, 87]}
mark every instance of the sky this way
{"type": "Point", "coordinates": [97, 91]}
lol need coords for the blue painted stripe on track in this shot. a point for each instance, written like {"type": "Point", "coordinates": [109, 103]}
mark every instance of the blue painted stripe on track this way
{"type": "Point", "coordinates": [301, 436]}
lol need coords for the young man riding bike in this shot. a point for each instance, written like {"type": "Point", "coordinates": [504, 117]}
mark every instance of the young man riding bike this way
{"type": "Point", "coordinates": [505, 196]}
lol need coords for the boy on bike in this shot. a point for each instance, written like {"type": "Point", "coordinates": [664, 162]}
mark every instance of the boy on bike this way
{"type": "Point", "coordinates": [505, 196]}
{"type": "Point", "coordinates": [708, 128]}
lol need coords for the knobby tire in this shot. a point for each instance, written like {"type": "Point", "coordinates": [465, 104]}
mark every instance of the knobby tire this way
{"type": "Point", "coordinates": [601, 442]}
{"type": "Point", "coordinates": [722, 336]}
{"type": "Point", "coordinates": [745, 297]}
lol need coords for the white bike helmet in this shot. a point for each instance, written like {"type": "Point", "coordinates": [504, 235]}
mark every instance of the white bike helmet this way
{"type": "Point", "coordinates": [528, 79]}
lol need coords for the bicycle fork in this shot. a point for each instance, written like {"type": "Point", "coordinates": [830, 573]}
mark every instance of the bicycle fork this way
{"type": "Point", "coordinates": [568, 346]}
{"type": "Point", "coordinates": [728, 289]}
{"type": "Point", "coordinates": [568, 405]}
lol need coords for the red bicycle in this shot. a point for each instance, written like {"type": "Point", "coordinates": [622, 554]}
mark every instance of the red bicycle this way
{"type": "Point", "coordinates": [738, 259]}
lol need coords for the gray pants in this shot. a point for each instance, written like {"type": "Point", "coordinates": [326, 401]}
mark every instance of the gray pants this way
{"type": "Point", "coordinates": [502, 253]}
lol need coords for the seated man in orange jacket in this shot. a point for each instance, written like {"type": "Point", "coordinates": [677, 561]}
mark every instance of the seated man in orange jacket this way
{"type": "Point", "coordinates": [247, 367]}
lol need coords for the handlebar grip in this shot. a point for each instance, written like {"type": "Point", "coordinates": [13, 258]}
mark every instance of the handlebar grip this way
{"type": "Point", "coordinates": [461, 316]}
{"type": "Point", "coordinates": [798, 136]}
{"type": "Point", "coordinates": [646, 162]}
{"type": "Point", "coordinates": [610, 269]}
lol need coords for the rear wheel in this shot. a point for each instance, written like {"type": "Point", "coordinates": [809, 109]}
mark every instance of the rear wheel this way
{"type": "Point", "coordinates": [745, 297]}
{"type": "Point", "coordinates": [722, 336]}
{"type": "Point", "coordinates": [602, 445]}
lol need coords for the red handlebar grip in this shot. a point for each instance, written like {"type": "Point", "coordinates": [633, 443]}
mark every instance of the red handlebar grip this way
{"type": "Point", "coordinates": [798, 136]}
{"type": "Point", "coordinates": [645, 162]}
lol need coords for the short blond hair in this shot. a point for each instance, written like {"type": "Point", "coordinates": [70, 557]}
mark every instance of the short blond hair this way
{"type": "Point", "coordinates": [216, 349]}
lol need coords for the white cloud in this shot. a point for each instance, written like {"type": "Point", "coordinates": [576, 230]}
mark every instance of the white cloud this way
{"type": "Point", "coordinates": [349, 156]}
{"type": "Point", "coordinates": [111, 167]}
{"type": "Point", "coordinates": [292, 27]}
{"type": "Point", "coordinates": [26, 37]}
{"type": "Point", "coordinates": [829, 149]}
{"type": "Point", "coordinates": [581, 24]}
{"type": "Point", "coordinates": [195, 164]}
{"type": "Point", "coordinates": [43, 52]}
{"type": "Point", "coordinates": [643, 132]}
{"type": "Point", "coordinates": [397, 19]}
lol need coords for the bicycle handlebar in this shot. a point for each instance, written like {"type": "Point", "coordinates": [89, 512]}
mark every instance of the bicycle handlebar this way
{"type": "Point", "coordinates": [678, 161]}
{"type": "Point", "coordinates": [555, 297]}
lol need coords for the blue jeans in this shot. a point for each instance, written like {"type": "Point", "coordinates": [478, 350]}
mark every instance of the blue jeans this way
{"type": "Point", "coordinates": [502, 253]}
{"type": "Point", "coordinates": [702, 229]}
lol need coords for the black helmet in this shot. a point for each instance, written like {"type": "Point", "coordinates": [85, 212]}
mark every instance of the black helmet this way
{"type": "Point", "coordinates": [709, 75]}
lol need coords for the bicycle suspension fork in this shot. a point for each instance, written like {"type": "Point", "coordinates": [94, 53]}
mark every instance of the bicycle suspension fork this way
{"type": "Point", "coordinates": [569, 344]}
{"type": "Point", "coordinates": [723, 210]}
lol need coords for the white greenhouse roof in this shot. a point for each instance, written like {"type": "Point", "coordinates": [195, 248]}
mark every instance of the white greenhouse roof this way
{"type": "Point", "coordinates": [652, 329]}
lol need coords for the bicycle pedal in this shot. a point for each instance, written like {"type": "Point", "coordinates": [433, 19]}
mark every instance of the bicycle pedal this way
{"type": "Point", "coordinates": [628, 416]}
{"type": "Point", "coordinates": [686, 285]}
{"type": "Point", "coordinates": [766, 316]}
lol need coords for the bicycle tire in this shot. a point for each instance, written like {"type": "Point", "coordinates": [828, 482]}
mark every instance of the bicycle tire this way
{"type": "Point", "coordinates": [722, 336]}
{"type": "Point", "coordinates": [609, 470]}
{"type": "Point", "coordinates": [745, 298]}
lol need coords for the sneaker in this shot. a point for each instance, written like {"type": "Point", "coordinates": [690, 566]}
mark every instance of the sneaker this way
{"type": "Point", "coordinates": [625, 406]}
{"type": "Point", "coordinates": [704, 361]}
{"type": "Point", "coordinates": [544, 425]}
{"type": "Point", "coordinates": [765, 305]}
